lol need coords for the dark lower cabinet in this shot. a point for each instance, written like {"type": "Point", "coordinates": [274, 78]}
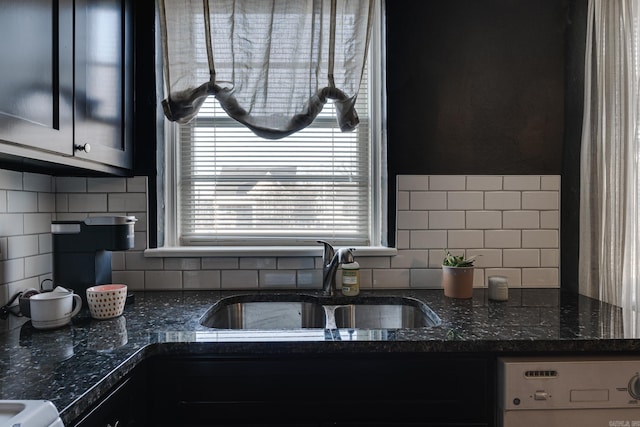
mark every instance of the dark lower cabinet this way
{"type": "Point", "coordinates": [124, 406]}
{"type": "Point", "coordinates": [323, 390]}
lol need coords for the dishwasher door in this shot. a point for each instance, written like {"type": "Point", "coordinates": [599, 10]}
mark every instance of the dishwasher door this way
{"type": "Point", "coordinates": [569, 391]}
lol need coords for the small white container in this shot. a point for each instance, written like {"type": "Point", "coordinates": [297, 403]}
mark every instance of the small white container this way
{"type": "Point", "coordinates": [351, 279]}
{"type": "Point", "coordinates": [498, 288]}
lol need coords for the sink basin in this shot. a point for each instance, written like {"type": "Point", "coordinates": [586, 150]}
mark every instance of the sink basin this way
{"type": "Point", "coordinates": [259, 311]}
{"type": "Point", "coordinates": [298, 311]}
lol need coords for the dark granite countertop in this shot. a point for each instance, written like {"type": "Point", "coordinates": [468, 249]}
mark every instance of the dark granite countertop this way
{"type": "Point", "coordinates": [75, 365]}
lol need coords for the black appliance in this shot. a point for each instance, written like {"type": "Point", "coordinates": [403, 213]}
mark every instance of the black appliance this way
{"type": "Point", "coordinates": [82, 250]}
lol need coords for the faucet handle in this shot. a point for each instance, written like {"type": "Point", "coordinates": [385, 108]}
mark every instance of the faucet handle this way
{"type": "Point", "coordinates": [328, 250]}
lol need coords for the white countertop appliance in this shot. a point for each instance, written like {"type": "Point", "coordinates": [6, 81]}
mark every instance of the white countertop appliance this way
{"type": "Point", "coordinates": [569, 391]}
{"type": "Point", "coordinates": [29, 413]}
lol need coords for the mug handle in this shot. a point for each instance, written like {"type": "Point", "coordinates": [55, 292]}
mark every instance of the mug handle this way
{"type": "Point", "coordinates": [78, 304]}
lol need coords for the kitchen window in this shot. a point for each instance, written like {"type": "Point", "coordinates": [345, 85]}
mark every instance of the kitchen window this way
{"type": "Point", "coordinates": [235, 189]}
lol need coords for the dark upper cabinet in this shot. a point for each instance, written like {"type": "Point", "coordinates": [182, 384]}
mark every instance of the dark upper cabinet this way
{"type": "Point", "coordinates": [66, 85]}
{"type": "Point", "coordinates": [103, 81]}
{"type": "Point", "coordinates": [36, 74]}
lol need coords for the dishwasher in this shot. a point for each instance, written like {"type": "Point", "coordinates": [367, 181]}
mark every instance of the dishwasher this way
{"type": "Point", "coordinates": [568, 391]}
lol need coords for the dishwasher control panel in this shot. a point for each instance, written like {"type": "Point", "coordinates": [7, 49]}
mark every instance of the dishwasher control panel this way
{"type": "Point", "coordinates": [568, 383]}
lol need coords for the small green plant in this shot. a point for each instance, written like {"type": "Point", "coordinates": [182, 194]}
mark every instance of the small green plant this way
{"type": "Point", "coordinates": [458, 260]}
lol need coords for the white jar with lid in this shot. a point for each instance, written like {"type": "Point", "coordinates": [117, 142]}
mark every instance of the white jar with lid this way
{"type": "Point", "coordinates": [498, 288]}
{"type": "Point", "coordinates": [351, 279]}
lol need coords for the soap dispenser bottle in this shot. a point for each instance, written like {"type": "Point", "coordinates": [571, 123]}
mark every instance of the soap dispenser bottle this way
{"type": "Point", "coordinates": [350, 279]}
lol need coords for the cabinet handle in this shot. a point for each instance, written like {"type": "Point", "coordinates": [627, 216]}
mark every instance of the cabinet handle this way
{"type": "Point", "coordinates": [86, 148]}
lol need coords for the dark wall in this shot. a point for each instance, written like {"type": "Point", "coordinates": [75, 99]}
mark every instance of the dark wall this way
{"type": "Point", "coordinates": [475, 86]}
{"type": "Point", "coordinates": [488, 87]}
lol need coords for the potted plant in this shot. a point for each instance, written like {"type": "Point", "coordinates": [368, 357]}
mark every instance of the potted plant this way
{"type": "Point", "coordinates": [457, 276]}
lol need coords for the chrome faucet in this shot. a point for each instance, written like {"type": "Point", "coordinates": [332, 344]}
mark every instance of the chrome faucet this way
{"type": "Point", "coordinates": [330, 262]}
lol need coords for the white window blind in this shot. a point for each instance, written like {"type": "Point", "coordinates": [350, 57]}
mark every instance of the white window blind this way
{"type": "Point", "coordinates": [238, 188]}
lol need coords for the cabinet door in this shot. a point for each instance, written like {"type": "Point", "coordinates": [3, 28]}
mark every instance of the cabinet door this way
{"type": "Point", "coordinates": [103, 81]}
{"type": "Point", "coordinates": [36, 74]}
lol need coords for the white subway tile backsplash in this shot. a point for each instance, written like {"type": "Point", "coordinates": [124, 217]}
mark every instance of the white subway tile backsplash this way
{"type": "Point", "coordinates": [37, 182]}
{"type": "Point", "coordinates": [484, 219]}
{"type": "Point", "coordinates": [87, 202]}
{"type": "Point", "coordinates": [37, 223]}
{"type": "Point", "coordinates": [428, 200]}
{"type": "Point", "coordinates": [11, 224]}
{"type": "Point", "coordinates": [465, 200]}
{"type": "Point", "coordinates": [277, 279]}
{"type": "Point", "coordinates": [520, 219]}
{"type": "Point", "coordinates": [12, 269]}
{"type": "Point", "coordinates": [403, 239]}
{"type": "Point", "coordinates": [402, 202]}
{"type": "Point", "coordinates": [70, 184]}
{"type": "Point", "coordinates": [550, 219]}
{"type": "Point", "coordinates": [502, 239]}
{"type": "Point", "coordinates": [239, 279]}
{"type": "Point", "coordinates": [38, 265]}
{"type": "Point", "coordinates": [45, 243]}
{"type": "Point", "coordinates": [550, 182]}
{"type": "Point", "coordinates": [540, 239]}
{"type": "Point", "coordinates": [522, 182]}
{"type": "Point", "coordinates": [135, 260]}
{"type": "Point", "coordinates": [410, 259]}
{"type": "Point", "coordinates": [201, 279]}
{"type": "Point", "coordinates": [484, 183]}
{"type": "Point", "coordinates": [368, 262]}
{"type": "Point", "coordinates": [137, 184]}
{"type": "Point", "coordinates": [486, 257]}
{"type": "Point", "coordinates": [252, 263]}
{"type": "Point", "coordinates": [46, 202]}
{"type": "Point", "coordinates": [549, 258]}
{"type": "Point", "coordinates": [182, 264]}
{"type": "Point", "coordinates": [392, 278]}
{"type": "Point", "coordinates": [413, 220]}
{"type": "Point", "coordinates": [22, 246]}
{"type": "Point", "coordinates": [295, 263]}
{"type": "Point", "coordinates": [412, 182]}
{"type": "Point", "coordinates": [512, 221]}
{"type": "Point", "coordinates": [446, 220]}
{"type": "Point", "coordinates": [127, 202]}
{"type": "Point", "coordinates": [540, 277]}
{"type": "Point", "coordinates": [422, 278]}
{"type": "Point", "coordinates": [311, 279]}
{"type": "Point", "coordinates": [62, 203]}
{"type": "Point", "coordinates": [163, 280]}
{"type": "Point", "coordinates": [541, 200]}
{"type": "Point", "coordinates": [106, 185]}
{"type": "Point", "coordinates": [447, 182]}
{"type": "Point", "coordinates": [222, 263]}
{"type": "Point", "coordinates": [465, 239]}
{"type": "Point", "coordinates": [427, 239]}
{"type": "Point", "coordinates": [22, 201]}
{"type": "Point", "coordinates": [10, 180]}
{"type": "Point", "coordinates": [502, 200]}
{"type": "Point", "coordinates": [521, 258]}
{"type": "Point", "coordinates": [133, 279]}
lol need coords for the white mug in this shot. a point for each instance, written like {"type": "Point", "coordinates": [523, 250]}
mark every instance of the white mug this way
{"type": "Point", "coordinates": [53, 309]}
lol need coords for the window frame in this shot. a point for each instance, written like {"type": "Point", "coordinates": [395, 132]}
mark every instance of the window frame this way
{"type": "Point", "coordinates": [168, 209]}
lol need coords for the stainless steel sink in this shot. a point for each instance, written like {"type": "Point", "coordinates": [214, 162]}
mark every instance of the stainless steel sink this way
{"type": "Point", "coordinates": [299, 311]}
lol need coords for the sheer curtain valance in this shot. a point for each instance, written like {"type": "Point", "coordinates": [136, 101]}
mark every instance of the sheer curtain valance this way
{"type": "Point", "coordinates": [271, 64]}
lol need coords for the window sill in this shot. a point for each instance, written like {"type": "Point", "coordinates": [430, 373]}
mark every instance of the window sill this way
{"type": "Point", "coordinates": [258, 251]}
